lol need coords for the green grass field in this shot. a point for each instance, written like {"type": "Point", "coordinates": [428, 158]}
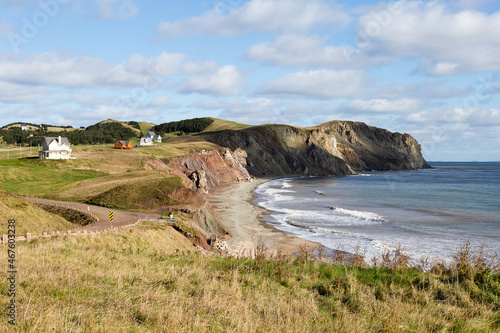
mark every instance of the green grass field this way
{"type": "Point", "coordinates": [32, 177]}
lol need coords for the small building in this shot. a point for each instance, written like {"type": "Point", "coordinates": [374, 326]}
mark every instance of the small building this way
{"type": "Point", "coordinates": [24, 127]}
{"type": "Point", "coordinates": [146, 142]}
{"type": "Point", "coordinates": [149, 139]}
{"type": "Point", "coordinates": [55, 148]}
{"type": "Point", "coordinates": [124, 145]}
{"type": "Point", "coordinates": [157, 138]}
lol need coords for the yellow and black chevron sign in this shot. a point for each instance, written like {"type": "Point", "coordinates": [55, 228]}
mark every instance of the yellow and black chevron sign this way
{"type": "Point", "coordinates": [111, 216]}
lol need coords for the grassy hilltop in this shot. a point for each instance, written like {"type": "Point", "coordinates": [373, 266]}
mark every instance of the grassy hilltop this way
{"type": "Point", "coordinates": [150, 277]}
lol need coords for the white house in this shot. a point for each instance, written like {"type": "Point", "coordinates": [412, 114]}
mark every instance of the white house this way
{"type": "Point", "coordinates": [24, 127]}
{"type": "Point", "coordinates": [55, 148]}
{"type": "Point", "coordinates": [145, 141]}
{"type": "Point", "coordinates": [154, 137]}
{"type": "Point", "coordinates": [149, 139]}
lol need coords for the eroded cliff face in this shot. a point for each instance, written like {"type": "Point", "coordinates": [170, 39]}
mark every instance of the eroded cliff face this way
{"type": "Point", "coordinates": [202, 173]}
{"type": "Point", "coordinates": [336, 148]}
{"type": "Point", "coordinates": [365, 147]}
{"type": "Point", "coordinates": [277, 150]}
{"type": "Point", "coordinates": [205, 171]}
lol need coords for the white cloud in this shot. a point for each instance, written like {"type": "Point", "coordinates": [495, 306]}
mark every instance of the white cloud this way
{"type": "Point", "coordinates": [52, 69]}
{"type": "Point", "coordinates": [251, 111]}
{"type": "Point", "coordinates": [257, 16]}
{"type": "Point", "coordinates": [403, 105]}
{"type": "Point", "coordinates": [116, 112]}
{"type": "Point", "coordinates": [310, 51]}
{"type": "Point", "coordinates": [224, 81]}
{"type": "Point", "coordinates": [448, 42]}
{"type": "Point", "coordinates": [88, 99]}
{"type": "Point", "coordinates": [322, 84]}
{"type": "Point", "coordinates": [163, 102]}
{"type": "Point", "coordinates": [160, 101]}
{"type": "Point", "coordinates": [472, 4]}
{"type": "Point", "coordinates": [455, 117]}
{"type": "Point", "coordinates": [116, 9]}
{"type": "Point", "coordinates": [297, 50]}
{"type": "Point", "coordinates": [16, 93]}
{"type": "Point", "coordinates": [426, 90]}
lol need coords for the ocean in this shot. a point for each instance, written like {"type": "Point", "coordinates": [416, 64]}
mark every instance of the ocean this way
{"type": "Point", "coordinates": [429, 212]}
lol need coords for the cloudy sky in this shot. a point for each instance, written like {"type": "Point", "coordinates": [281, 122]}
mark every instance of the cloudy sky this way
{"type": "Point", "coordinates": [428, 68]}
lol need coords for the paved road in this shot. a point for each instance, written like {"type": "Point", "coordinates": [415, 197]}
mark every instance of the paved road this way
{"type": "Point", "coordinates": [120, 217]}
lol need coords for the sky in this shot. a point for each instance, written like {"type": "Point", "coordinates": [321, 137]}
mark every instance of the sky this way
{"type": "Point", "coordinates": [427, 68]}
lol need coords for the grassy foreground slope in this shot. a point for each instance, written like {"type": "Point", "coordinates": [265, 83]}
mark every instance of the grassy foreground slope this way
{"type": "Point", "coordinates": [146, 279]}
{"type": "Point", "coordinates": [29, 218]}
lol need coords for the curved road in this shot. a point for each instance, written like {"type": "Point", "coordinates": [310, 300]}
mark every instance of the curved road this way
{"type": "Point", "coordinates": [120, 217]}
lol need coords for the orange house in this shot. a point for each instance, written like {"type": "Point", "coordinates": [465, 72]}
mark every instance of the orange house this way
{"type": "Point", "coordinates": [124, 145]}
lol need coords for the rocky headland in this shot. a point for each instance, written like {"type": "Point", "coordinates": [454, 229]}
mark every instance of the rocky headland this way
{"type": "Point", "coordinates": [334, 148]}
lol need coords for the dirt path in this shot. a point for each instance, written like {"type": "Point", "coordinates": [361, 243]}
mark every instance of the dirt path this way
{"type": "Point", "coordinates": [120, 217]}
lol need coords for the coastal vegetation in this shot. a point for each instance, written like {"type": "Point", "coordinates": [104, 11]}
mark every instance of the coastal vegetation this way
{"type": "Point", "coordinates": [194, 125]}
{"type": "Point", "coordinates": [148, 278]}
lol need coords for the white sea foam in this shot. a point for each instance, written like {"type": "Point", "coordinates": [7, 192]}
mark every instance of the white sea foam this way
{"type": "Point", "coordinates": [365, 216]}
{"type": "Point", "coordinates": [297, 207]}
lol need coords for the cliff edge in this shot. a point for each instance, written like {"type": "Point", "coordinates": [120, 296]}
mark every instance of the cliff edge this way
{"type": "Point", "coordinates": [334, 148]}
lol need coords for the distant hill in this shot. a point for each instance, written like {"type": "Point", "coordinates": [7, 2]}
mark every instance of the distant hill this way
{"type": "Point", "coordinates": [107, 131]}
{"type": "Point", "coordinates": [194, 125]}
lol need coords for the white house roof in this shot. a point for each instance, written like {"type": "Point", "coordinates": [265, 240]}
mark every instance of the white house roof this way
{"type": "Point", "coordinates": [48, 139]}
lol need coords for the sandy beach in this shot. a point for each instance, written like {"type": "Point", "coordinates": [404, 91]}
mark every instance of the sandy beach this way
{"type": "Point", "coordinates": [232, 203]}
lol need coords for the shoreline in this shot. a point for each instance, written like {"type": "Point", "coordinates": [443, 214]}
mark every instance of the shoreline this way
{"type": "Point", "coordinates": [233, 205]}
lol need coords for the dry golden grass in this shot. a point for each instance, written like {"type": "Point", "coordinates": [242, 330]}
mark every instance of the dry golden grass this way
{"type": "Point", "coordinates": [178, 146]}
{"type": "Point", "coordinates": [86, 189]}
{"type": "Point", "coordinates": [109, 160]}
{"type": "Point", "coordinates": [221, 124]}
{"type": "Point", "coordinates": [62, 129]}
{"type": "Point", "coordinates": [29, 217]}
{"type": "Point", "coordinates": [146, 279]}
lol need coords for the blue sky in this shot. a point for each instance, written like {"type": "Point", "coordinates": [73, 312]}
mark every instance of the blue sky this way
{"type": "Point", "coordinates": [428, 68]}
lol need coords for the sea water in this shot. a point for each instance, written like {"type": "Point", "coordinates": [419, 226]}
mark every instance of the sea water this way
{"type": "Point", "coordinates": [429, 212]}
